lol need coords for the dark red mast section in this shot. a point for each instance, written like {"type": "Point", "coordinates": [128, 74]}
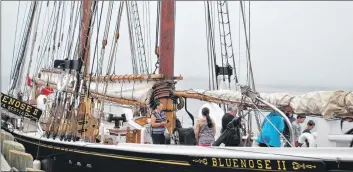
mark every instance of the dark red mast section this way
{"type": "Point", "coordinates": [166, 50]}
{"type": "Point", "coordinates": [167, 38]}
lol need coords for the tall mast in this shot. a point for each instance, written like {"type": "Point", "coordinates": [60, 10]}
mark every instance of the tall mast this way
{"type": "Point", "coordinates": [167, 39]}
{"type": "Point", "coordinates": [84, 56]}
{"type": "Point", "coordinates": [85, 34]}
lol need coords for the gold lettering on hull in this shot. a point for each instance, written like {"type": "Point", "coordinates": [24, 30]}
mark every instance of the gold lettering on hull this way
{"type": "Point", "coordinates": [256, 164]}
{"type": "Point", "coordinates": [201, 161]}
{"type": "Point", "coordinates": [298, 166]}
{"type": "Point", "coordinates": [19, 108]}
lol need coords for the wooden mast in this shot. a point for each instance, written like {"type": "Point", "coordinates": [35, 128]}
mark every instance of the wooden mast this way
{"type": "Point", "coordinates": [167, 39]}
{"type": "Point", "coordinates": [85, 36]}
{"type": "Point", "coordinates": [85, 105]}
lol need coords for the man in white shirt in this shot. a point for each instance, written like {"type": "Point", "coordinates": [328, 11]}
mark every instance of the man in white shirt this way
{"type": "Point", "coordinates": [297, 129]}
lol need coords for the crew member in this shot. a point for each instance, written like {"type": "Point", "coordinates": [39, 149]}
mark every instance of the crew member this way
{"type": "Point", "coordinates": [229, 116]}
{"type": "Point", "coordinates": [309, 126]}
{"type": "Point", "coordinates": [297, 129]}
{"type": "Point", "coordinates": [234, 139]}
{"type": "Point", "coordinates": [158, 123]}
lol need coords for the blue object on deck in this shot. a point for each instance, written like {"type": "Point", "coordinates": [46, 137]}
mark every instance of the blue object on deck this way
{"type": "Point", "coordinates": [268, 134]}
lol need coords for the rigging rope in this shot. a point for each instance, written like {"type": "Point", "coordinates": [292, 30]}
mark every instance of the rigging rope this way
{"type": "Point", "coordinates": [211, 43]}
{"type": "Point", "coordinates": [96, 46]}
{"type": "Point", "coordinates": [95, 53]}
{"type": "Point", "coordinates": [23, 28]}
{"type": "Point", "coordinates": [38, 59]}
{"type": "Point", "coordinates": [61, 34]}
{"type": "Point", "coordinates": [208, 54]}
{"type": "Point", "coordinates": [248, 50]}
{"type": "Point", "coordinates": [139, 38]}
{"type": "Point", "coordinates": [113, 50]}
{"type": "Point", "coordinates": [156, 47]}
{"type": "Point", "coordinates": [71, 30]}
{"type": "Point", "coordinates": [105, 40]}
{"type": "Point", "coordinates": [149, 36]}
{"type": "Point", "coordinates": [17, 78]}
{"type": "Point", "coordinates": [78, 40]}
{"type": "Point", "coordinates": [132, 41]}
{"type": "Point", "coordinates": [14, 42]}
{"type": "Point", "coordinates": [35, 31]}
{"type": "Point", "coordinates": [48, 34]}
{"type": "Point", "coordinates": [226, 43]}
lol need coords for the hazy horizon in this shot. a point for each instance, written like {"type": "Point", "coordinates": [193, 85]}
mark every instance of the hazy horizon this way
{"type": "Point", "coordinates": [293, 44]}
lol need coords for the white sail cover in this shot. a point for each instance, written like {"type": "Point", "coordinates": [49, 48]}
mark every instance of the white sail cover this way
{"type": "Point", "coordinates": [325, 103]}
{"type": "Point", "coordinates": [139, 91]}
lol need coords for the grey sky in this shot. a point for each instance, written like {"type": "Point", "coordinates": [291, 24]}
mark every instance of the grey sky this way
{"type": "Point", "coordinates": [292, 43]}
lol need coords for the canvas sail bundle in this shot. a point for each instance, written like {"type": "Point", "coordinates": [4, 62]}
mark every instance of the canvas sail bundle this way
{"type": "Point", "coordinates": [138, 91]}
{"type": "Point", "coordinates": [124, 87]}
{"type": "Point", "coordinates": [325, 103]}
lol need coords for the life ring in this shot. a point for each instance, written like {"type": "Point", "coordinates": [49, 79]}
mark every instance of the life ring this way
{"type": "Point", "coordinates": [309, 137]}
{"type": "Point", "coordinates": [63, 81]}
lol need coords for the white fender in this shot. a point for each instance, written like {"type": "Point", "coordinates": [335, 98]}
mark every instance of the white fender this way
{"type": "Point", "coordinates": [36, 164]}
{"type": "Point", "coordinates": [216, 113]}
{"type": "Point", "coordinates": [40, 102]}
{"type": "Point", "coordinates": [309, 137]}
{"type": "Point", "coordinates": [63, 81]}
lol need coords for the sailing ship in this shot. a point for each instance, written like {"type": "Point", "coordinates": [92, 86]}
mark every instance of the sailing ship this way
{"type": "Point", "coordinates": [60, 117]}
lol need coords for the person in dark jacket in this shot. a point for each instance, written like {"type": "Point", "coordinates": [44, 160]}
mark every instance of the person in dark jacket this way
{"type": "Point", "coordinates": [234, 139]}
{"type": "Point", "coordinates": [229, 116]}
{"type": "Point", "coordinates": [289, 113]}
{"type": "Point", "coordinates": [309, 126]}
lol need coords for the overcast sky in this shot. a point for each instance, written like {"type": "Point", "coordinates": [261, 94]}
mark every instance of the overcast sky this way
{"type": "Point", "coordinates": [292, 43]}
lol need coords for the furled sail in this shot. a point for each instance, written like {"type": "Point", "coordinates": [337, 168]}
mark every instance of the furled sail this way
{"type": "Point", "coordinates": [136, 88]}
{"type": "Point", "coordinates": [325, 103]}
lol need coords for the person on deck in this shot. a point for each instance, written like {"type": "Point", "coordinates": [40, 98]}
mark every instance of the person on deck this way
{"type": "Point", "coordinates": [229, 116]}
{"type": "Point", "coordinates": [297, 129]}
{"type": "Point", "coordinates": [158, 123]}
{"type": "Point", "coordinates": [289, 113]}
{"type": "Point", "coordinates": [269, 136]}
{"type": "Point", "coordinates": [205, 129]}
{"type": "Point", "coordinates": [234, 139]}
{"type": "Point", "coordinates": [309, 126]}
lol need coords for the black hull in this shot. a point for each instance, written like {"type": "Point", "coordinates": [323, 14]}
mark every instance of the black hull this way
{"type": "Point", "coordinates": [64, 158]}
